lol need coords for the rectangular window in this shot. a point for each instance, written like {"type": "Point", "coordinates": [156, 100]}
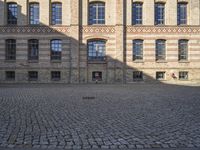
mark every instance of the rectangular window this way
{"type": "Point", "coordinates": [137, 49]}
{"type": "Point", "coordinates": [183, 49]}
{"type": "Point", "coordinates": [137, 75]}
{"type": "Point", "coordinates": [137, 13]}
{"type": "Point", "coordinates": [160, 50]}
{"type": "Point", "coordinates": [55, 75]}
{"type": "Point", "coordinates": [96, 50]}
{"type": "Point", "coordinates": [96, 13]}
{"type": "Point", "coordinates": [182, 14]}
{"type": "Point", "coordinates": [56, 49]}
{"type": "Point", "coordinates": [159, 14]}
{"type": "Point", "coordinates": [12, 13]}
{"type": "Point", "coordinates": [183, 75]}
{"type": "Point", "coordinates": [33, 49]}
{"type": "Point", "coordinates": [160, 75]}
{"type": "Point", "coordinates": [34, 13]}
{"type": "Point", "coordinates": [10, 75]}
{"type": "Point", "coordinates": [10, 49]}
{"type": "Point", "coordinates": [33, 75]}
{"type": "Point", "coordinates": [56, 18]}
{"type": "Point", "coordinates": [97, 76]}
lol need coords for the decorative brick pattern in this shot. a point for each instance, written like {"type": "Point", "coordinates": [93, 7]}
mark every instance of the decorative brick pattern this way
{"type": "Point", "coordinates": [39, 29]}
{"type": "Point", "coordinates": [163, 30]}
{"type": "Point", "coordinates": [98, 29]}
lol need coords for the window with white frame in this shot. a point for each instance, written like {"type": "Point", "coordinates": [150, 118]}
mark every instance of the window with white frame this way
{"type": "Point", "coordinates": [96, 13]}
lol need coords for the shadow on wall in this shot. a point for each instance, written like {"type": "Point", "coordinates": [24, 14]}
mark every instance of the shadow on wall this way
{"type": "Point", "coordinates": [73, 66]}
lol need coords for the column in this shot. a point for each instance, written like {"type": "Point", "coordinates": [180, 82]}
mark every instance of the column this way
{"type": "Point", "coordinates": [148, 9]}
{"type": "Point", "coordinates": [120, 48]}
{"type": "Point", "coordinates": [45, 12]}
{"type": "Point", "coordinates": [2, 12]}
{"type": "Point", "coordinates": [74, 38]}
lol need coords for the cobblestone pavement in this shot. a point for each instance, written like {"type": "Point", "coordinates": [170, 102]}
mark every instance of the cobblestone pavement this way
{"type": "Point", "coordinates": [99, 116]}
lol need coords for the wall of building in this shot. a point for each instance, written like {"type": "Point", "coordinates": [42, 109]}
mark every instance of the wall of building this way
{"type": "Point", "coordinates": [118, 33]}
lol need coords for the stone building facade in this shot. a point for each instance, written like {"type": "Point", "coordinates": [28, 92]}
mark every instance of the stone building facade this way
{"type": "Point", "coordinates": [123, 40]}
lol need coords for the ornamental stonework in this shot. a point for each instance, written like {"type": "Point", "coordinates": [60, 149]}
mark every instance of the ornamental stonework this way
{"type": "Point", "coordinates": [98, 29]}
{"type": "Point", "coordinates": [34, 30]}
{"type": "Point", "coordinates": [163, 30]}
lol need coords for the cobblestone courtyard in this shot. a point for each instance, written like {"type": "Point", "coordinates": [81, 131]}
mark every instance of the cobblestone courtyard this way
{"type": "Point", "coordinates": [99, 116]}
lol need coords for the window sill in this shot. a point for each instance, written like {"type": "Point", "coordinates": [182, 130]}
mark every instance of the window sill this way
{"type": "Point", "coordinates": [138, 80]}
{"type": "Point", "coordinates": [96, 62]}
{"type": "Point", "coordinates": [183, 79]}
{"type": "Point", "coordinates": [161, 80]}
{"type": "Point", "coordinates": [33, 61]}
{"type": "Point", "coordinates": [10, 61]}
{"type": "Point", "coordinates": [183, 61]}
{"type": "Point", "coordinates": [161, 61]}
{"type": "Point", "coordinates": [33, 80]}
{"type": "Point", "coordinates": [160, 25]}
{"type": "Point", "coordinates": [138, 61]}
{"type": "Point", "coordinates": [137, 25]}
{"type": "Point", "coordinates": [56, 61]}
{"type": "Point", "coordinates": [96, 24]}
{"type": "Point", "coordinates": [55, 80]}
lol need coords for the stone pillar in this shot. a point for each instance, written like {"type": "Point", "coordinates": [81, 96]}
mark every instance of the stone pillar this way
{"type": "Point", "coordinates": [66, 13]}
{"type": "Point", "coordinates": [194, 12]}
{"type": "Point", "coordinates": [22, 12]}
{"type": "Point", "coordinates": [2, 12]}
{"type": "Point", "coordinates": [74, 37]}
{"type": "Point", "coordinates": [171, 13]}
{"type": "Point", "coordinates": [129, 12]}
{"type": "Point", "coordinates": [148, 9]}
{"type": "Point", "coordinates": [45, 12]}
{"type": "Point", "coordinates": [84, 16]}
{"type": "Point", "coordinates": [120, 48]}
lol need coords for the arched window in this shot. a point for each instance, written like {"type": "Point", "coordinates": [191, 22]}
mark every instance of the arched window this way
{"type": "Point", "coordinates": [56, 13]}
{"type": "Point", "coordinates": [96, 50]}
{"type": "Point", "coordinates": [96, 13]}
{"type": "Point", "coordinates": [34, 13]}
{"type": "Point", "coordinates": [159, 13]}
{"type": "Point", "coordinates": [182, 14]}
{"type": "Point", "coordinates": [12, 13]}
{"type": "Point", "coordinates": [160, 49]}
{"type": "Point", "coordinates": [137, 13]}
{"type": "Point", "coordinates": [183, 49]}
{"type": "Point", "coordinates": [137, 49]}
{"type": "Point", "coordinates": [33, 49]}
{"type": "Point", "coordinates": [56, 49]}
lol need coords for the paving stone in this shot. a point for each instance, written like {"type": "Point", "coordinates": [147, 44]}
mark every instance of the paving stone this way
{"type": "Point", "coordinates": [122, 116]}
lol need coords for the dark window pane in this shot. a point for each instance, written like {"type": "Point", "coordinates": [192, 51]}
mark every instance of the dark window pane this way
{"type": "Point", "coordinates": [12, 14]}
{"type": "Point", "coordinates": [32, 75]}
{"type": "Point", "coordinates": [137, 75]}
{"type": "Point", "coordinates": [56, 49]}
{"type": "Point", "coordinates": [137, 49]}
{"type": "Point", "coordinates": [183, 49]}
{"type": "Point", "coordinates": [56, 17]}
{"type": "Point", "coordinates": [137, 13]}
{"type": "Point", "coordinates": [96, 50]}
{"type": "Point", "coordinates": [33, 49]}
{"type": "Point", "coordinates": [10, 49]}
{"type": "Point", "coordinates": [160, 49]}
{"type": "Point", "coordinates": [160, 75]}
{"type": "Point", "coordinates": [183, 75]}
{"type": "Point", "coordinates": [34, 13]}
{"type": "Point", "coordinates": [159, 13]}
{"type": "Point", "coordinates": [97, 76]}
{"type": "Point", "coordinates": [10, 75]}
{"type": "Point", "coordinates": [55, 75]}
{"type": "Point", "coordinates": [182, 13]}
{"type": "Point", "coordinates": [96, 13]}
